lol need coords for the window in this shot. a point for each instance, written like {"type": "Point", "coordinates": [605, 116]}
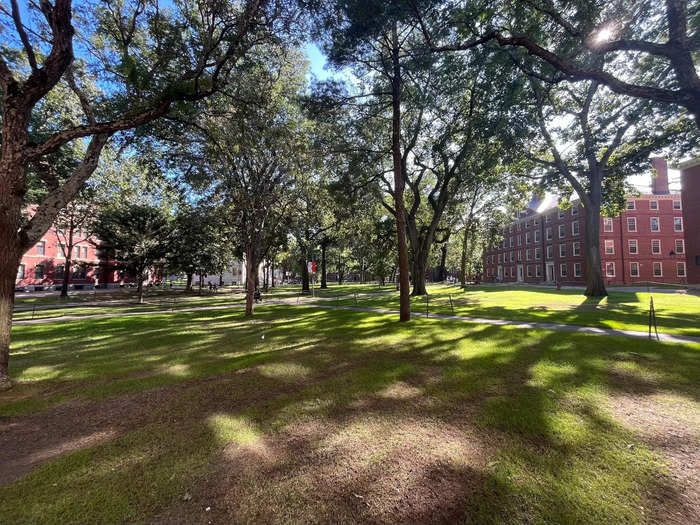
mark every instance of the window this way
{"type": "Point", "coordinates": [527, 238]}
{"type": "Point", "coordinates": [562, 269]}
{"type": "Point", "coordinates": [576, 248]}
{"type": "Point", "coordinates": [575, 228]}
{"type": "Point", "coordinates": [548, 234]}
{"type": "Point", "coordinates": [511, 242]}
{"type": "Point", "coordinates": [609, 247]}
{"type": "Point", "coordinates": [680, 246]}
{"type": "Point", "coordinates": [41, 248]}
{"type": "Point", "coordinates": [680, 269]}
{"type": "Point", "coordinates": [634, 269]}
{"type": "Point", "coordinates": [633, 246]}
{"type": "Point", "coordinates": [39, 271]}
{"type": "Point", "coordinates": [62, 250]}
{"type": "Point", "coordinates": [653, 205]}
{"type": "Point", "coordinates": [562, 214]}
{"type": "Point", "coordinates": [527, 224]}
{"type": "Point", "coordinates": [562, 250]}
{"type": "Point", "coordinates": [610, 269]}
{"type": "Point", "coordinates": [538, 254]}
{"type": "Point", "coordinates": [549, 251]}
{"type": "Point", "coordinates": [512, 256]}
{"type": "Point", "coordinates": [535, 222]}
{"type": "Point", "coordinates": [678, 224]}
{"type": "Point", "coordinates": [631, 224]}
{"type": "Point", "coordinates": [512, 271]}
{"type": "Point", "coordinates": [520, 240]}
{"type": "Point", "coordinates": [499, 258]}
{"type": "Point", "coordinates": [520, 255]}
{"type": "Point", "coordinates": [577, 269]}
{"type": "Point", "coordinates": [562, 231]}
{"type": "Point", "coordinates": [537, 235]}
{"type": "Point", "coordinates": [676, 205]}
{"type": "Point", "coordinates": [20, 272]}
{"type": "Point", "coordinates": [656, 246]}
{"type": "Point", "coordinates": [631, 205]}
{"type": "Point", "coordinates": [84, 252]}
{"type": "Point", "coordinates": [574, 211]}
{"type": "Point", "coordinates": [658, 270]}
{"type": "Point", "coordinates": [538, 271]}
{"type": "Point", "coordinates": [607, 224]}
{"type": "Point", "coordinates": [527, 254]}
{"type": "Point", "coordinates": [59, 271]}
{"type": "Point", "coordinates": [77, 252]}
{"type": "Point", "coordinates": [655, 227]}
{"type": "Point", "coordinates": [548, 218]}
{"type": "Point", "coordinates": [529, 271]}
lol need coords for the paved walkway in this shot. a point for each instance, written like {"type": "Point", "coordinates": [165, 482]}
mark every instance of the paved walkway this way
{"type": "Point", "coordinates": [666, 338]}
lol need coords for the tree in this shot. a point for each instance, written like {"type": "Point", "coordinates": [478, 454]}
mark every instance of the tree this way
{"type": "Point", "coordinates": [200, 242]}
{"type": "Point", "coordinates": [608, 138]}
{"type": "Point", "coordinates": [147, 65]}
{"type": "Point", "coordinates": [137, 236]}
{"type": "Point", "coordinates": [74, 224]}
{"type": "Point", "coordinates": [630, 47]}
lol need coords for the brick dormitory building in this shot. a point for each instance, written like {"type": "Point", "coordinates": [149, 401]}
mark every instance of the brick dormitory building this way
{"type": "Point", "coordinates": [656, 238]}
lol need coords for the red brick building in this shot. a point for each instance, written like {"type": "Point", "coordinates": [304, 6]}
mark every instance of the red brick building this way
{"type": "Point", "coordinates": [690, 190]}
{"type": "Point", "coordinates": [646, 243]}
{"type": "Point", "coordinates": [43, 265]}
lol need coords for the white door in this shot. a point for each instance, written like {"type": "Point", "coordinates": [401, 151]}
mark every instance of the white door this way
{"type": "Point", "coordinates": [500, 273]}
{"type": "Point", "coordinates": [550, 273]}
{"type": "Point", "coordinates": [520, 273]}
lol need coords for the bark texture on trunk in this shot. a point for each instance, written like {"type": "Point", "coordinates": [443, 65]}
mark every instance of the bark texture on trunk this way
{"type": "Point", "coordinates": [595, 282]}
{"type": "Point", "coordinates": [305, 277]}
{"type": "Point", "coordinates": [399, 183]}
{"type": "Point", "coordinates": [249, 282]}
{"type": "Point", "coordinates": [66, 275]}
{"type": "Point", "coordinates": [139, 289]}
{"type": "Point", "coordinates": [443, 261]}
{"type": "Point", "coordinates": [188, 286]}
{"type": "Point", "coordinates": [463, 261]}
{"type": "Point", "coordinates": [9, 264]}
{"type": "Point", "coordinates": [324, 246]}
{"type": "Point", "coordinates": [418, 274]}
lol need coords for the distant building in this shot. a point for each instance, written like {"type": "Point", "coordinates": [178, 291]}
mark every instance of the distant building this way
{"type": "Point", "coordinates": [690, 191]}
{"type": "Point", "coordinates": [646, 243]}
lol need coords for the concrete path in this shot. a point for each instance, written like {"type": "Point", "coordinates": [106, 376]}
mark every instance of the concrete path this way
{"type": "Point", "coordinates": [666, 338]}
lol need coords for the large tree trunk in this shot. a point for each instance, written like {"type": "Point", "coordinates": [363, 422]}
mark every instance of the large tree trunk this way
{"type": "Point", "coordinates": [188, 286]}
{"type": "Point", "coordinates": [595, 283]}
{"type": "Point", "coordinates": [324, 284]}
{"type": "Point", "coordinates": [442, 272]}
{"type": "Point", "coordinates": [305, 277]}
{"type": "Point", "coordinates": [9, 264]}
{"type": "Point", "coordinates": [404, 297]}
{"type": "Point", "coordinates": [139, 286]}
{"type": "Point", "coordinates": [463, 261]}
{"type": "Point", "coordinates": [249, 282]}
{"type": "Point", "coordinates": [418, 274]}
{"type": "Point", "coordinates": [66, 274]}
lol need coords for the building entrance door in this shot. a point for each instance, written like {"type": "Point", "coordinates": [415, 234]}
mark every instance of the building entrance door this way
{"type": "Point", "coordinates": [550, 272]}
{"type": "Point", "coordinates": [521, 276]}
{"type": "Point", "coordinates": [500, 273]}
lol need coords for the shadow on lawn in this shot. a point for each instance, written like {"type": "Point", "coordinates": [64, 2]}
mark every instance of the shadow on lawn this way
{"type": "Point", "coordinates": [353, 417]}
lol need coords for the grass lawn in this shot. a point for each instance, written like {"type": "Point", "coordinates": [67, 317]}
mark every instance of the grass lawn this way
{"type": "Point", "coordinates": [307, 415]}
{"type": "Point", "coordinates": [675, 313]}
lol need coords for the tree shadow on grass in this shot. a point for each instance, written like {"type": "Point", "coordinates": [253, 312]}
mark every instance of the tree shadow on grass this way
{"type": "Point", "coordinates": [379, 422]}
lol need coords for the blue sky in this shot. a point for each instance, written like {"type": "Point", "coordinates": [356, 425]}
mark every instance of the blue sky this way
{"type": "Point", "coordinates": [317, 61]}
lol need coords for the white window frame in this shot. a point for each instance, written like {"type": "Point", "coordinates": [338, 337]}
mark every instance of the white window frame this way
{"type": "Point", "coordinates": [527, 237]}
{"type": "Point", "coordinates": [23, 275]}
{"type": "Point", "coordinates": [651, 224]}
{"type": "Point", "coordinates": [548, 218]}
{"type": "Point", "coordinates": [633, 203]}
{"type": "Point", "coordinates": [655, 202]}
{"type": "Point", "coordinates": [652, 246]}
{"type": "Point", "coordinates": [634, 224]}
{"type": "Point", "coordinates": [577, 269]}
{"type": "Point", "coordinates": [548, 233]}
{"type": "Point", "coordinates": [529, 271]}
{"type": "Point", "coordinates": [682, 245]}
{"type": "Point", "coordinates": [679, 265]}
{"type": "Point", "coordinates": [562, 270]}
{"type": "Point", "coordinates": [677, 220]}
{"type": "Point", "coordinates": [607, 224]}
{"type": "Point", "coordinates": [576, 248]}
{"type": "Point", "coordinates": [538, 270]}
{"type": "Point", "coordinates": [574, 211]}
{"type": "Point", "coordinates": [561, 214]}
{"type": "Point", "coordinates": [632, 272]}
{"type": "Point", "coordinates": [41, 244]}
{"type": "Point", "coordinates": [575, 229]}
{"type": "Point", "coordinates": [609, 243]}
{"type": "Point", "coordinates": [562, 247]}
{"type": "Point", "coordinates": [653, 269]}
{"type": "Point", "coordinates": [609, 265]}
{"type": "Point", "coordinates": [562, 231]}
{"type": "Point", "coordinates": [550, 252]}
{"type": "Point", "coordinates": [538, 254]}
{"type": "Point", "coordinates": [635, 243]}
{"type": "Point", "coordinates": [527, 254]}
{"type": "Point", "coordinates": [536, 237]}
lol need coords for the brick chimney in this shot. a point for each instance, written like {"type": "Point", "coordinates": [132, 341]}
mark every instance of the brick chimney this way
{"type": "Point", "coordinates": [659, 176]}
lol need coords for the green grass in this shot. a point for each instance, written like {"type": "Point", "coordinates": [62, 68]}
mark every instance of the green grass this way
{"type": "Point", "coordinates": [675, 313]}
{"type": "Point", "coordinates": [537, 405]}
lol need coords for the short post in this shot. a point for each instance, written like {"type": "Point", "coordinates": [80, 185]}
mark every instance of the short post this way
{"type": "Point", "coordinates": [427, 305]}
{"type": "Point", "coordinates": [451, 305]}
{"type": "Point", "coordinates": [33, 311]}
{"type": "Point", "coordinates": [652, 318]}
